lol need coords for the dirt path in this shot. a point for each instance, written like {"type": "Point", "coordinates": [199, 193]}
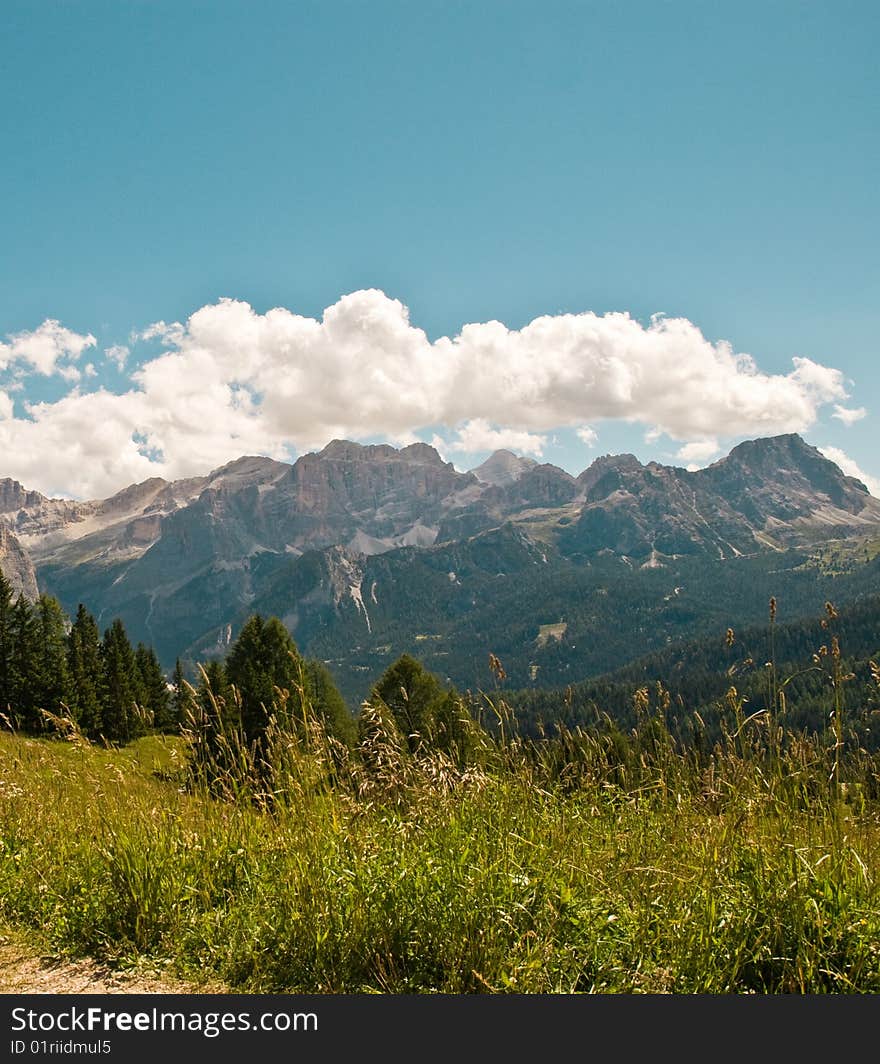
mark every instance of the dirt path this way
{"type": "Point", "coordinates": [24, 972]}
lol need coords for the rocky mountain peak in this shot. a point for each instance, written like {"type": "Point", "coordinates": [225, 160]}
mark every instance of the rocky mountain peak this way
{"type": "Point", "coordinates": [413, 454]}
{"type": "Point", "coordinates": [249, 469]}
{"type": "Point", "coordinates": [176, 560]}
{"type": "Point", "coordinates": [788, 468]}
{"type": "Point", "coordinates": [347, 450]}
{"type": "Point", "coordinates": [771, 451]}
{"type": "Point", "coordinates": [609, 471]}
{"type": "Point", "coordinates": [502, 467]}
{"type": "Point", "coordinates": [14, 497]}
{"type": "Point", "coordinates": [422, 454]}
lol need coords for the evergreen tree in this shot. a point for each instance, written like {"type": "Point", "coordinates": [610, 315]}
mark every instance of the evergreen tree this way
{"type": "Point", "coordinates": [426, 713]}
{"type": "Point", "coordinates": [6, 644]}
{"type": "Point", "coordinates": [264, 658]}
{"type": "Point", "coordinates": [213, 722]}
{"type": "Point", "coordinates": [215, 695]}
{"type": "Point", "coordinates": [381, 747]}
{"type": "Point", "coordinates": [121, 719]}
{"type": "Point", "coordinates": [24, 666]}
{"type": "Point", "coordinates": [454, 730]}
{"type": "Point", "coordinates": [179, 696]}
{"type": "Point", "coordinates": [411, 693]}
{"type": "Point", "coordinates": [154, 689]}
{"type": "Point", "coordinates": [328, 703]}
{"type": "Point", "coordinates": [85, 669]}
{"type": "Point", "coordinates": [51, 678]}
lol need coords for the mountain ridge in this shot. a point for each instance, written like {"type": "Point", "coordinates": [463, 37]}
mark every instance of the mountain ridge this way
{"type": "Point", "coordinates": [183, 559]}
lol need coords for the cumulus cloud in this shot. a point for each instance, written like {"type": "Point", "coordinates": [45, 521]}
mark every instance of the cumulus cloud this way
{"type": "Point", "coordinates": [231, 381]}
{"type": "Point", "coordinates": [42, 349]}
{"type": "Point", "coordinates": [91, 445]}
{"type": "Point", "coordinates": [847, 415]}
{"type": "Point", "coordinates": [478, 435]}
{"type": "Point", "coordinates": [587, 435]}
{"type": "Point", "coordinates": [699, 451]}
{"type": "Point", "coordinates": [851, 469]}
{"type": "Point", "coordinates": [69, 373]}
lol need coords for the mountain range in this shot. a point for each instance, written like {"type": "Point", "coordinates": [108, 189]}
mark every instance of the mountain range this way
{"type": "Point", "coordinates": [368, 551]}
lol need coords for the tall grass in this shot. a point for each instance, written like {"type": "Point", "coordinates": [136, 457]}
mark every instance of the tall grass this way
{"type": "Point", "coordinates": [589, 861]}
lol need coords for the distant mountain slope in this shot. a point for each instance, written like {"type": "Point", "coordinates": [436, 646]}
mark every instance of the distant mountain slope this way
{"type": "Point", "coordinates": [551, 619]}
{"type": "Point", "coordinates": [698, 673]}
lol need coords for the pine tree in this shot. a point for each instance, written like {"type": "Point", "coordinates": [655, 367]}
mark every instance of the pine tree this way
{"type": "Point", "coordinates": [85, 668]}
{"type": "Point", "coordinates": [425, 712]}
{"type": "Point", "coordinates": [51, 681]}
{"type": "Point", "coordinates": [381, 747]}
{"type": "Point", "coordinates": [263, 658]}
{"type": "Point", "coordinates": [214, 690]}
{"type": "Point", "coordinates": [154, 688]}
{"type": "Point", "coordinates": [411, 693]}
{"type": "Point", "coordinates": [24, 666]}
{"type": "Point", "coordinates": [180, 696]}
{"type": "Point", "coordinates": [454, 729]}
{"type": "Point", "coordinates": [328, 703]}
{"type": "Point", "coordinates": [120, 714]}
{"type": "Point", "coordinates": [6, 645]}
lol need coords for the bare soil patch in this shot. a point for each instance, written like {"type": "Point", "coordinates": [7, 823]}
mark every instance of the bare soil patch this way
{"type": "Point", "coordinates": [23, 971]}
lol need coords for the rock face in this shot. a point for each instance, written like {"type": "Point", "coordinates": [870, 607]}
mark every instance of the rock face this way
{"type": "Point", "coordinates": [177, 559]}
{"type": "Point", "coordinates": [17, 566]}
{"type": "Point", "coordinates": [180, 560]}
{"type": "Point", "coordinates": [785, 481]}
{"type": "Point", "coordinates": [373, 498]}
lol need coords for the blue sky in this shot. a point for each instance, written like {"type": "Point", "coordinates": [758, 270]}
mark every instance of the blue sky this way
{"type": "Point", "coordinates": [474, 162]}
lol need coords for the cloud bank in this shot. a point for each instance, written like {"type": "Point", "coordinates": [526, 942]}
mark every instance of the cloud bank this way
{"type": "Point", "coordinates": [230, 381]}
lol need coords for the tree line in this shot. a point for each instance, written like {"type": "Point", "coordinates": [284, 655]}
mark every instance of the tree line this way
{"type": "Point", "coordinates": [111, 691]}
{"type": "Point", "coordinates": [50, 666]}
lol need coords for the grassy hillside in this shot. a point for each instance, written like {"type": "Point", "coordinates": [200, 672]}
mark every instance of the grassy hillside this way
{"type": "Point", "coordinates": [599, 862]}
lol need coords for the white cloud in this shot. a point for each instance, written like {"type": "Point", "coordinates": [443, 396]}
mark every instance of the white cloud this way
{"type": "Point", "coordinates": [587, 435]}
{"type": "Point", "coordinates": [851, 469]}
{"type": "Point", "coordinates": [699, 451]}
{"type": "Point", "coordinates": [478, 435]}
{"type": "Point", "coordinates": [43, 348]}
{"type": "Point", "coordinates": [231, 381]}
{"type": "Point", "coordinates": [820, 381]}
{"type": "Point", "coordinates": [118, 354]}
{"type": "Point", "coordinates": [848, 415]}
{"type": "Point", "coordinates": [6, 406]}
